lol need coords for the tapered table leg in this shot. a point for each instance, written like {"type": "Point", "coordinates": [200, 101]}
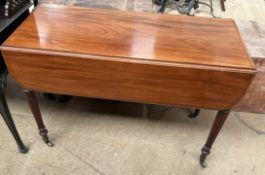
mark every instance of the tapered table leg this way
{"type": "Point", "coordinates": [216, 127]}
{"type": "Point", "coordinates": [10, 123]}
{"type": "Point", "coordinates": [33, 103]}
{"type": "Point", "coordinates": [4, 110]}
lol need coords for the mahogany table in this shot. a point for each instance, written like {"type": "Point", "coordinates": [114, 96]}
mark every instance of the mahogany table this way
{"type": "Point", "coordinates": [142, 57]}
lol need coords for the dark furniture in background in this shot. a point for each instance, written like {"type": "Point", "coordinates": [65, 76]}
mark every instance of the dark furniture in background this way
{"type": "Point", "coordinates": [222, 4]}
{"type": "Point", "coordinates": [185, 6]}
{"type": "Point", "coordinates": [12, 13]}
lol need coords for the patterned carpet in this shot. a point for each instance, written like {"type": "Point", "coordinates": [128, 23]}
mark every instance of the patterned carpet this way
{"type": "Point", "coordinates": [131, 5]}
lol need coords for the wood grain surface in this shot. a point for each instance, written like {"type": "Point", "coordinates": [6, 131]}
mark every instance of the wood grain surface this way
{"type": "Point", "coordinates": [129, 80]}
{"type": "Point", "coordinates": [253, 35]}
{"type": "Point", "coordinates": [182, 39]}
{"type": "Point", "coordinates": [131, 57]}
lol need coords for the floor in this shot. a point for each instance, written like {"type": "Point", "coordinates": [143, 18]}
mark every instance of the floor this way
{"type": "Point", "coordinates": [101, 137]}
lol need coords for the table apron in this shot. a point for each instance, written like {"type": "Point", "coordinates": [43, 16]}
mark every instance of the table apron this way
{"type": "Point", "coordinates": [128, 80]}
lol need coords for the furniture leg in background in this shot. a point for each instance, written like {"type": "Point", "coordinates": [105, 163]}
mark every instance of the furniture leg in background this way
{"type": "Point", "coordinates": [4, 110]}
{"type": "Point", "coordinates": [216, 127]}
{"type": "Point", "coordinates": [35, 2]}
{"type": "Point", "coordinates": [222, 4]}
{"type": "Point", "coordinates": [195, 113]}
{"type": "Point", "coordinates": [33, 103]}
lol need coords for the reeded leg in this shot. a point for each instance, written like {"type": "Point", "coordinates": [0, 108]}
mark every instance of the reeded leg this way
{"type": "Point", "coordinates": [4, 110]}
{"type": "Point", "coordinates": [216, 127]}
{"type": "Point", "coordinates": [33, 103]}
{"type": "Point", "coordinates": [195, 113]}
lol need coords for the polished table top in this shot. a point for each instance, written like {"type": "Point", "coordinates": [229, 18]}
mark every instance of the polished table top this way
{"type": "Point", "coordinates": [158, 37]}
{"type": "Point", "coordinates": [153, 58]}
